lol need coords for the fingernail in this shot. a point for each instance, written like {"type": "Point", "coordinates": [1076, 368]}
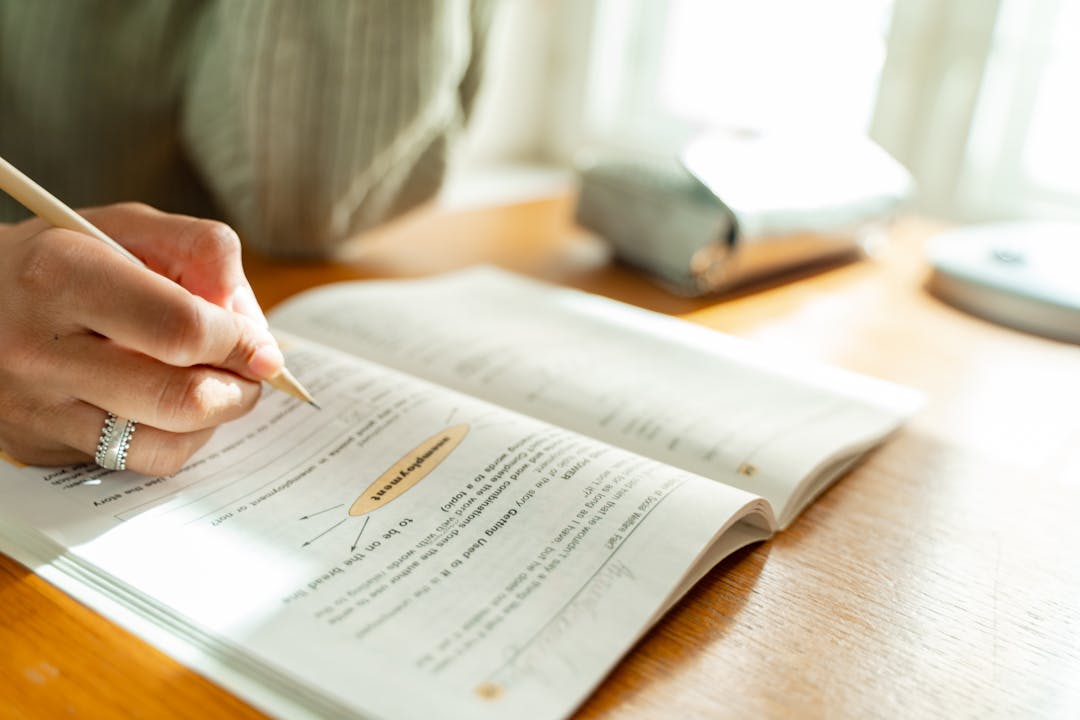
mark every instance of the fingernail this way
{"type": "Point", "coordinates": [244, 302]}
{"type": "Point", "coordinates": [266, 361]}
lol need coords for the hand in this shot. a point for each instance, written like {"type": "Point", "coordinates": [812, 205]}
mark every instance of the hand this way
{"type": "Point", "coordinates": [180, 347]}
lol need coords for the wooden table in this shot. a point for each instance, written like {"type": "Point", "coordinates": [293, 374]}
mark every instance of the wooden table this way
{"type": "Point", "coordinates": [940, 578]}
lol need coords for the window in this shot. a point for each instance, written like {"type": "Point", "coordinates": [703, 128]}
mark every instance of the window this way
{"type": "Point", "coordinates": [663, 70]}
{"type": "Point", "coordinates": [1024, 152]}
{"type": "Point", "coordinates": [977, 98]}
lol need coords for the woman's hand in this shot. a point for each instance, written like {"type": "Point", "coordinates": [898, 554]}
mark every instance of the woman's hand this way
{"type": "Point", "coordinates": [180, 347]}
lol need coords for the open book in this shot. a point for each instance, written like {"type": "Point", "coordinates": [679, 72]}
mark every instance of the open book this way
{"type": "Point", "coordinates": [506, 486]}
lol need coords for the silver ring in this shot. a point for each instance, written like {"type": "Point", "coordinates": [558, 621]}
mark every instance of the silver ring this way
{"type": "Point", "coordinates": [113, 444]}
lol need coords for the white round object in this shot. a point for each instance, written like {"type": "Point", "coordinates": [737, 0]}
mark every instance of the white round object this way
{"type": "Point", "coordinates": [1025, 274]}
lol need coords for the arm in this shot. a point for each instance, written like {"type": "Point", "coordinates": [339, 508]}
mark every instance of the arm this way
{"type": "Point", "coordinates": [313, 121]}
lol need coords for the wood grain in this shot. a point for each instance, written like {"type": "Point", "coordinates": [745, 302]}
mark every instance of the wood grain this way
{"type": "Point", "coordinates": [938, 579]}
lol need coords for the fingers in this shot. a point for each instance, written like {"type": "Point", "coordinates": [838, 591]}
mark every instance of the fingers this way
{"type": "Point", "coordinates": [141, 310]}
{"type": "Point", "coordinates": [83, 328]}
{"type": "Point", "coordinates": [73, 428]}
{"type": "Point", "coordinates": [33, 453]}
{"type": "Point", "coordinates": [132, 385]}
{"type": "Point", "coordinates": [203, 256]}
{"type": "Point", "coordinates": [57, 417]}
{"type": "Point", "coordinates": [152, 451]}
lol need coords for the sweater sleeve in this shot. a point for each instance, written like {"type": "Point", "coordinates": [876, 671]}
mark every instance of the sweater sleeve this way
{"type": "Point", "coordinates": [310, 121]}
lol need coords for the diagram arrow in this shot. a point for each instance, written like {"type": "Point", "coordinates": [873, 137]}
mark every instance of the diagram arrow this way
{"type": "Point", "coordinates": [320, 512]}
{"type": "Point", "coordinates": [357, 540]}
{"type": "Point", "coordinates": [323, 533]}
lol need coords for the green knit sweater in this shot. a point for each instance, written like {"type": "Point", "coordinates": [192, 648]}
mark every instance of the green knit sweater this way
{"type": "Point", "coordinates": [300, 122]}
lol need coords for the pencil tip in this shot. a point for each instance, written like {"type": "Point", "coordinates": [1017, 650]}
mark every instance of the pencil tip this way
{"type": "Point", "coordinates": [314, 404]}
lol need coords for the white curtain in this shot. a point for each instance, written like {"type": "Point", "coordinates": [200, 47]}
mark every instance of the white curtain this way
{"type": "Point", "coordinates": [978, 98]}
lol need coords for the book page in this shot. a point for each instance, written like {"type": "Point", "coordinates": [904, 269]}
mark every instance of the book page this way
{"type": "Point", "coordinates": [407, 551]}
{"type": "Point", "coordinates": [694, 398]}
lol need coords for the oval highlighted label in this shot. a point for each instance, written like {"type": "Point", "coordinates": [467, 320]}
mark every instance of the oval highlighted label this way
{"type": "Point", "coordinates": [409, 470]}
